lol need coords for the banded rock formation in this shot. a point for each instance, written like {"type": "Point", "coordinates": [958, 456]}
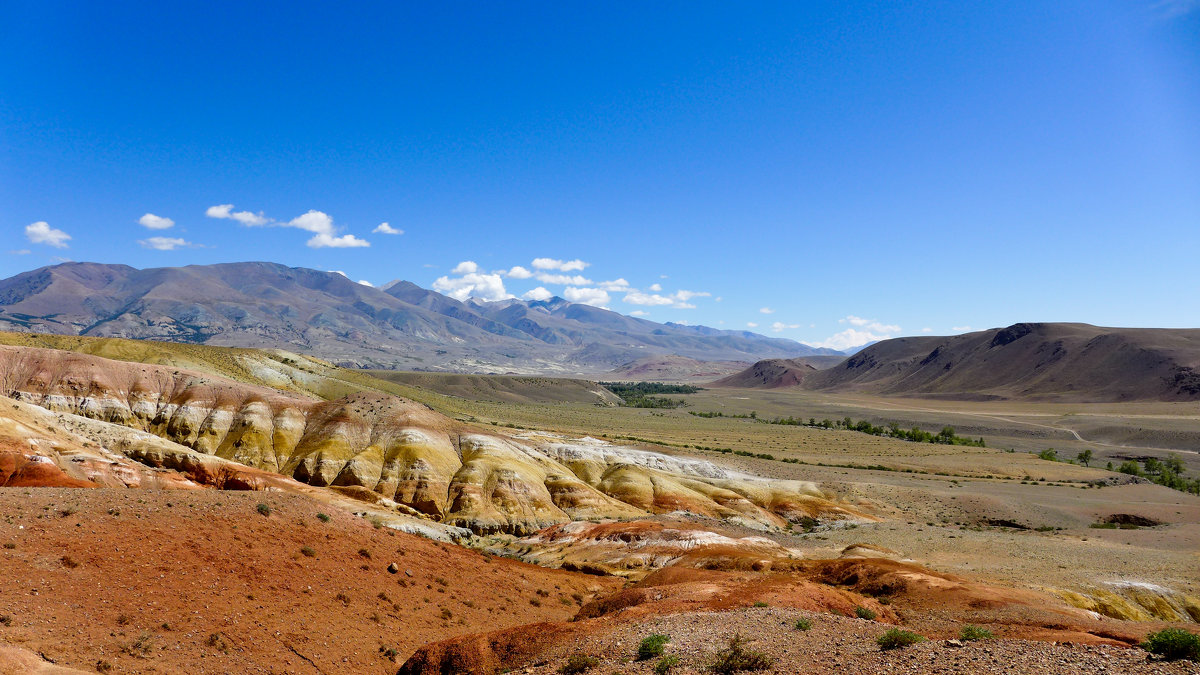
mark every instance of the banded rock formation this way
{"type": "Point", "coordinates": [393, 447]}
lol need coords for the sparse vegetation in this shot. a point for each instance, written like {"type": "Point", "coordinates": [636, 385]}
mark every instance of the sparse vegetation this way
{"type": "Point", "coordinates": [665, 664]}
{"type": "Point", "coordinates": [308, 551]}
{"type": "Point", "coordinates": [652, 646]}
{"type": "Point", "coordinates": [1173, 644]}
{"type": "Point", "coordinates": [579, 663]}
{"type": "Point", "coordinates": [264, 509]}
{"type": "Point", "coordinates": [69, 562]}
{"type": "Point", "coordinates": [736, 658]}
{"type": "Point", "coordinates": [896, 638]}
{"type": "Point", "coordinates": [217, 641]}
{"type": "Point", "coordinates": [323, 517]}
{"type": "Point", "coordinates": [864, 613]}
{"type": "Point", "coordinates": [802, 624]}
{"type": "Point", "coordinates": [9, 545]}
{"type": "Point", "coordinates": [973, 632]}
{"type": "Point", "coordinates": [141, 647]}
{"type": "Point", "coordinates": [5, 620]}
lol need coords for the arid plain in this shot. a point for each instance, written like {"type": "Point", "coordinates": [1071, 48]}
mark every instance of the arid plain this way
{"type": "Point", "coordinates": [652, 520]}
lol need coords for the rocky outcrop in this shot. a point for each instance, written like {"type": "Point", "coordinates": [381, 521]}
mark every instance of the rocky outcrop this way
{"type": "Point", "coordinates": [400, 450]}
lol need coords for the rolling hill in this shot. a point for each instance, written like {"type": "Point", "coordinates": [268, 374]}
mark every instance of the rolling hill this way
{"type": "Point", "coordinates": [776, 373]}
{"type": "Point", "coordinates": [1030, 361]}
{"type": "Point", "coordinates": [267, 305]}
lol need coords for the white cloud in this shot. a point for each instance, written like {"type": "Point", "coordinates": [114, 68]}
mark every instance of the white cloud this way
{"type": "Point", "coordinates": [41, 233]}
{"type": "Point", "coordinates": [563, 279]}
{"type": "Point", "coordinates": [587, 296]}
{"type": "Point", "coordinates": [656, 287]}
{"type": "Point", "coordinates": [638, 312]}
{"type": "Point", "coordinates": [317, 222]}
{"type": "Point", "coordinates": [651, 299]}
{"type": "Point", "coordinates": [870, 324]}
{"type": "Point", "coordinates": [851, 337]}
{"type": "Point", "coordinates": [384, 228]}
{"type": "Point", "coordinates": [751, 324]}
{"type": "Point", "coordinates": [779, 326]}
{"type": "Point", "coordinates": [165, 243]}
{"type": "Point", "coordinates": [364, 282]}
{"type": "Point", "coordinates": [330, 241]}
{"type": "Point", "coordinates": [678, 299]}
{"type": "Point", "coordinates": [465, 267]}
{"type": "Point", "coordinates": [154, 222]}
{"type": "Point", "coordinates": [226, 212]}
{"type": "Point", "coordinates": [766, 310]}
{"type": "Point", "coordinates": [20, 251]}
{"type": "Point", "coordinates": [518, 272]}
{"type": "Point", "coordinates": [575, 265]}
{"type": "Point", "coordinates": [539, 294]}
{"type": "Point", "coordinates": [472, 285]}
{"type": "Point", "coordinates": [616, 285]}
{"type": "Point", "coordinates": [926, 330]}
{"type": "Point", "coordinates": [962, 329]}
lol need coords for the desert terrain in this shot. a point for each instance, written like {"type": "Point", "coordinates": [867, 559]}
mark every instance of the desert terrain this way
{"type": "Point", "coordinates": [183, 508]}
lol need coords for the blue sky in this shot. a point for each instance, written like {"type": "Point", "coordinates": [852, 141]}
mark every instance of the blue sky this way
{"type": "Point", "coordinates": [829, 172]}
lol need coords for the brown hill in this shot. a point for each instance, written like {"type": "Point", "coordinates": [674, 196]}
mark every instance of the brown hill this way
{"type": "Point", "coordinates": [1033, 361]}
{"type": "Point", "coordinates": [774, 373]}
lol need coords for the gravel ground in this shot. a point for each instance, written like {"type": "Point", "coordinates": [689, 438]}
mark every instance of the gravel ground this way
{"type": "Point", "coordinates": [838, 644]}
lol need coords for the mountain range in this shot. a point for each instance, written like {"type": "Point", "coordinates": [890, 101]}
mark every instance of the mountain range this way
{"type": "Point", "coordinates": [1072, 362]}
{"type": "Point", "coordinates": [398, 326]}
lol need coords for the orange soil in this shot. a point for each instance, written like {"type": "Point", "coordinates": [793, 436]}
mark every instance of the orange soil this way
{"type": "Point", "coordinates": [207, 584]}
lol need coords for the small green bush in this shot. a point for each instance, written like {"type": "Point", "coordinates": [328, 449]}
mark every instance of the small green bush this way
{"type": "Point", "coordinates": [1173, 644]}
{"type": "Point", "coordinates": [579, 663]}
{"type": "Point", "coordinates": [864, 613]}
{"type": "Point", "coordinates": [972, 632]}
{"type": "Point", "coordinates": [896, 638]}
{"type": "Point", "coordinates": [652, 646]}
{"type": "Point", "coordinates": [264, 509]}
{"type": "Point", "coordinates": [308, 552]}
{"type": "Point", "coordinates": [665, 664]}
{"type": "Point", "coordinates": [323, 517]}
{"type": "Point", "coordinates": [736, 658]}
{"type": "Point", "coordinates": [802, 624]}
{"type": "Point", "coordinates": [760, 603]}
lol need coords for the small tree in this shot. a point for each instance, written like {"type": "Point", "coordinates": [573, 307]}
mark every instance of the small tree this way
{"type": "Point", "coordinates": [1085, 457]}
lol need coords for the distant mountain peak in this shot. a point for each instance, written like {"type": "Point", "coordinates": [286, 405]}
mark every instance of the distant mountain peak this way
{"type": "Point", "coordinates": [398, 325]}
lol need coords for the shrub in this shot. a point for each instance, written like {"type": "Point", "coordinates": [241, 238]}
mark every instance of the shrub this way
{"type": "Point", "coordinates": [736, 658]}
{"type": "Point", "coordinates": [896, 638]}
{"type": "Point", "coordinates": [579, 663]}
{"type": "Point", "coordinates": [864, 613]}
{"type": "Point", "coordinates": [665, 664]}
{"type": "Point", "coordinates": [389, 653]}
{"type": "Point", "coordinates": [9, 545]}
{"type": "Point", "coordinates": [1172, 644]}
{"type": "Point", "coordinates": [802, 624]}
{"type": "Point", "coordinates": [264, 509]}
{"type": "Point", "coordinates": [652, 646]}
{"type": "Point", "coordinates": [69, 562]}
{"type": "Point", "coordinates": [5, 620]}
{"type": "Point", "coordinates": [971, 632]}
{"type": "Point", "coordinates": [323, 517]}
{"type": "Point", "coordinates": [760, 603]}
{"type": "Point", "coordinates": [308, 552]}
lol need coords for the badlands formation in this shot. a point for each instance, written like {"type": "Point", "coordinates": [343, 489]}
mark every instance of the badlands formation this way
{"type": "Point", "coordinates": [398, 451]}
{"type": "Point", "coordinates": [249, 511]}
